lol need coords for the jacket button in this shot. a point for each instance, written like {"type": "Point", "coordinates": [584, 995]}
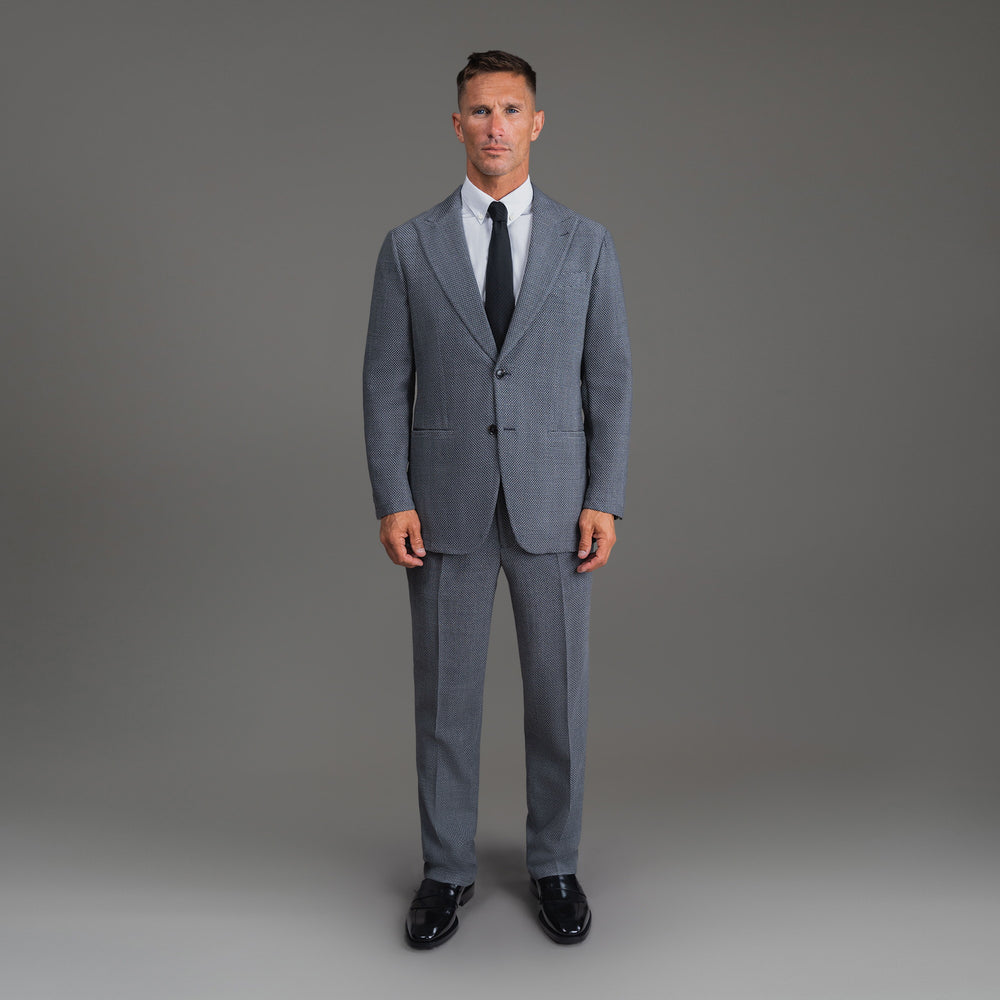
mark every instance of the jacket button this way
{"type": "Point", "coordinates": [493, 429]}
{"type": "Point", "coordinates": [501, 373]}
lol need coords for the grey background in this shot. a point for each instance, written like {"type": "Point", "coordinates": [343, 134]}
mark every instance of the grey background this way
{"type": "Point", "coordinates": [206, 734]}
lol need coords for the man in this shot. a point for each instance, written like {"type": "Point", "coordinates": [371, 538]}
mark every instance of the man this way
{"type": "Point", "coordinates": [497, 398]}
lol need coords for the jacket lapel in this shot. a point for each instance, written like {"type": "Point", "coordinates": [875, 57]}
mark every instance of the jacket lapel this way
{"type": "Point", "coordinates": [551, 229]}
{"type": "Point", "coordinates": [442, 237]}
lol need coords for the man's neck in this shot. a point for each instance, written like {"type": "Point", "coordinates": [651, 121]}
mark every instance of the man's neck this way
{"type": "Point", "coordinates": [496, 187]}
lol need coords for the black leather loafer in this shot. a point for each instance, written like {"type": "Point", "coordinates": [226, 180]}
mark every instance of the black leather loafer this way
{"type": "Point", "coordinates": [564, 913]}
{"type": "Point", "coordinates": [433, 916]}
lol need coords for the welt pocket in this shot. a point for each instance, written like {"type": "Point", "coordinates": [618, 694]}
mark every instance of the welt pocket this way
{"type": "Point", "coordinates": [431, 431]}
{"type": "Point", "coordinates": [578, 430]}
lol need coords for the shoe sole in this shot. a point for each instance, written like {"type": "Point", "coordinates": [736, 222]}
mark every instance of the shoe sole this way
{"type": "Point", "coordinates": [564, 938]}
{"type": "Point", "coordinates": [448, 934]}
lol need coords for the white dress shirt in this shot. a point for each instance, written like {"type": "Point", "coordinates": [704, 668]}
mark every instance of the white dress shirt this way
{"type": "Point", "coordinates": [479, 227]}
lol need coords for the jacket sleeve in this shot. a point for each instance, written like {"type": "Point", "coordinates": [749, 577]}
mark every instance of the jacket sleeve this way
{"type": "Point", "coordinates": [388, 384]}
{"type": "Point", "coordinates": [607, 386]}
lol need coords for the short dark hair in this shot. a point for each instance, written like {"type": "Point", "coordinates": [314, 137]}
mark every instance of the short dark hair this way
{"type": "Point", "coordinates": [495, 61]}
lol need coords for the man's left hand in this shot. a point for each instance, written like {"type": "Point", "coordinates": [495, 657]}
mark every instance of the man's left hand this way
{"type": "Point", "coordinates": [595, 527]}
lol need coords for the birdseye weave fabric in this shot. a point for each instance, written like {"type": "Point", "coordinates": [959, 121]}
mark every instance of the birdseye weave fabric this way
{"type": "Point", "coordinates": [497, 411]}
{"type": "Point", "coordinates": [452, 598]}
{"type": "Point", "coordinates": [557, 394]}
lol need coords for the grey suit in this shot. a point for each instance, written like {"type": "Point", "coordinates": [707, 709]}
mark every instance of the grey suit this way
{"type": "Point", "coordinates": [498, 454]}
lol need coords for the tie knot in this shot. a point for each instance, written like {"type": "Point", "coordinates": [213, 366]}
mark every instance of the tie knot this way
{"type": "Point", "coordinates": [497, 211]}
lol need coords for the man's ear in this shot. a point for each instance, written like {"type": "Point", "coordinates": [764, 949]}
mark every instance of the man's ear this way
{"type": "Point", "coordinates": [456, 121]}
{"type": "Point", "coordinates": [538, 123]}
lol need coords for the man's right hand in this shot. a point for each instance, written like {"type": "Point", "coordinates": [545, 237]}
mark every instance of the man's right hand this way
{"type": "Point", "coordinates": [394, 533]}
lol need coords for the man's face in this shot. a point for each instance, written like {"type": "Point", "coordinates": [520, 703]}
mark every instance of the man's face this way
{"type": "Point", "coordinates": [497, 123]}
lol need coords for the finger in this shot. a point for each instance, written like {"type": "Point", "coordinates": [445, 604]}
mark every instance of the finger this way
{"type": "Point", "coordinates": [416, 542]}
{"type": "Point", "coordinates": [602, 553]}
{"type": "Point", "coordinates": [407, 556]}
{"type": "Point", "coordinates": [401, 557]}
{"type": "Point", "coordinates": [395, 548]}
{"type": "Point", "coordinates": [389, 544]}
{"type": "Point", "coordinates": [408, 559]}
{"type": "Point", "coordinates": [599, 558]}
{"type": "Point", "coordinates": [586, 541]}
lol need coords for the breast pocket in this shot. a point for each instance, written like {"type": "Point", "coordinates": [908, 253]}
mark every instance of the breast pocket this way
{"type": "Point", "coordinates": [570, 296]}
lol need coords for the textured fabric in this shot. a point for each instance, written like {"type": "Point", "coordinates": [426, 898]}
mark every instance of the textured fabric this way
{"type": "Point", "coordinates": [451, 600]}
{"type": "Point", "coordinates": [498, 450]}
{"type": "Point", "coordinates": [499, 276]}
{"type": "Point", "coordinates": [478, 227]}
{"type": "Point", "coordinates": [448, 416]}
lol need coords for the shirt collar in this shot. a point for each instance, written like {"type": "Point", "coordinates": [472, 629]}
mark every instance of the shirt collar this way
{"type": "Point", "coordinates": [477, 202]}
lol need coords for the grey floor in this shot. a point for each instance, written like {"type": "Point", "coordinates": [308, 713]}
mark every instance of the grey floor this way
{"type": "Point", "coordinates": [832, 889]}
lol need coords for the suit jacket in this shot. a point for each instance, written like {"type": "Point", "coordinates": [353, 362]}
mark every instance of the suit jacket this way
{"type": "Point", "coordinates": [448, 419]}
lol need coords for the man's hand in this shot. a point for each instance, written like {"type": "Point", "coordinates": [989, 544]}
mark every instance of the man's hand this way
{"type": "Point", "coordinates": [595, 526]}
{"type": "Point", "coordinates": [394, 533]}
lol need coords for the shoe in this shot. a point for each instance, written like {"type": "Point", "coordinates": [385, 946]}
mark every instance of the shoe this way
{"type": "Point", "coordinates": [433, 916]}
{"type": "Point", "coordinates": [564, 913]}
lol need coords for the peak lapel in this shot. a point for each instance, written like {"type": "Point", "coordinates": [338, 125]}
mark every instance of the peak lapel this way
{"type": "Point", "coordinates": [443, 240]}
{"type": "Point", "coordinates": [551, 229]}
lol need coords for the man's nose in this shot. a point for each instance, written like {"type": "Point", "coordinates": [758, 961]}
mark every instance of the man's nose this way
{"type": "Point", "coordinates": [496, 124]}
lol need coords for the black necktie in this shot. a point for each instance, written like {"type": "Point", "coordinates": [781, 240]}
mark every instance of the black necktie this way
{"type": "Point", "coordinates": [499, 275]}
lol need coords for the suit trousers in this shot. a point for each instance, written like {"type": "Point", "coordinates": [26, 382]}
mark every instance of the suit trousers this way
{"type": "Point", "coordinates": [451, 602]}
